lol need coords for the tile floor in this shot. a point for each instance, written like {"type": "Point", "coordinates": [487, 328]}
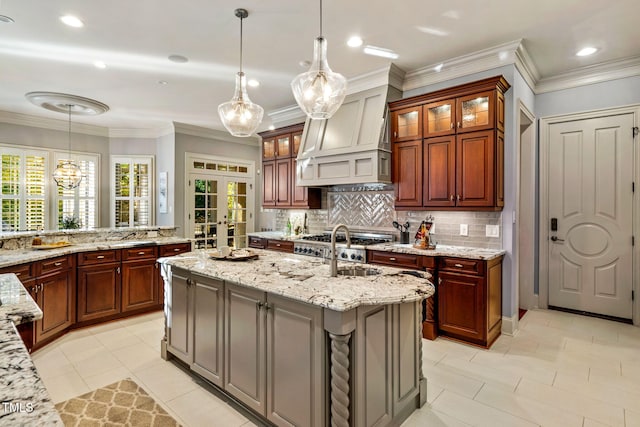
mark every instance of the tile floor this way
{"type": "Point", "coordinates": [559, 370]}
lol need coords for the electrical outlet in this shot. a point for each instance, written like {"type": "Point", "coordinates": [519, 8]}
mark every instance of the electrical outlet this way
{"type": "Point", "coordinates": [464, 229]}
{"type": "Point", "coordinates": [493, 231]}
{"type": "Point", "coordinates": [152, 233]}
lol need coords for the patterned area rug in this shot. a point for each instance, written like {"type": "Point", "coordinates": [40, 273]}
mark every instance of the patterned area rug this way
{"type": "Point", "coordinates": [123, 403]}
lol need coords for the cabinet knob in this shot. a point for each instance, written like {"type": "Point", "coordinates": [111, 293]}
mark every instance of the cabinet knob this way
{"type": "Point", "coordinates": [458, 197]}
{"type": "Point", "coordinates": [17, 274]}
{"type": "Point", "coordinates": [57, 264]}
{"type": "Point", "coordinates": [100, 257]}
{"type": "Point", "coordinates": [458, 125]}
{"type": "Point", "coordinates": [259, 305]}
{"type": "Point", "coordinates": [395, 134]}
{"type": "Point", "coordinates": [458, 265]}
{"type": "Point", "coordinates": [392, 259]}
{"type": "Point", "coordinates": [118, 270]}
{"type": "Point", "coordinates": [141, 253]}
{"type": "Point", "coordinates": [176, 250]}
{"type": "Point", "coordinates": [451, 125]}
{"type": "Point", "coordinates": [451, 197]}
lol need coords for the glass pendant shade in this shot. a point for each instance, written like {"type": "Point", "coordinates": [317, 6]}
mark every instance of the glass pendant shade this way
{"type": "Point", "coordinates": [240, 116]}
{"type": "Point", "coordinates": [67, 175]}
{"type": "Point", "coordinates": [319, 92]}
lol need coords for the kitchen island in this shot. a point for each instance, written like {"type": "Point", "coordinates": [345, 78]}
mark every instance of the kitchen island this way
{"type": "Point", "coordinates": [295, 345]}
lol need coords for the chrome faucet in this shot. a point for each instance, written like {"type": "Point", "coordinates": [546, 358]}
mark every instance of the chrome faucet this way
{"type": "Point", "coordinates": [334, 254]}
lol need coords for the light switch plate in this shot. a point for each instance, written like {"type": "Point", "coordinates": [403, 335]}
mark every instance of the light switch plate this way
{"type": "Point", "coordinates": [464, 229]}
{"type": "Point", "coordinates": [493, 231]}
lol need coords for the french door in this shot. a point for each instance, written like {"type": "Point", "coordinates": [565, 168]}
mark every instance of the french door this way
{"type": "Point", "coordinates": [220, 210]}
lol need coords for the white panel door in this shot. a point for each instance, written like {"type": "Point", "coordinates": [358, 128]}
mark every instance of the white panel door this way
{"type": "Point", "coordinates": [590, 195]}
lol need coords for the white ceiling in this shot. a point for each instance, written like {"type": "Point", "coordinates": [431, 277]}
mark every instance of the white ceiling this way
{"type": "Point", "coordinates": [135, 38]}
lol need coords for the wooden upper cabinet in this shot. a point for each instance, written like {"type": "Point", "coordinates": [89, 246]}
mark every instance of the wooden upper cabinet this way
{"type": "Point", "coordinates": [439, 118]}
{"type": "Point", "coordinates": [439, 184]}
{"type": "Point", "coordinates": [407, 173]}
{"type": "Point", "coordinates": [406, 124]}
{"type": "Point", "coordinates": [475, 157]}
{"type": "Point", "coordinates": [476, 112]}
{"type": "Point", "coordinates": [269, 149]}
{"type": "Point", "coordinates": [279, 171]}
{"type": "Point", "coordinates": [461, 132]}
{"type": "Point", "coordinates": [296, 140]}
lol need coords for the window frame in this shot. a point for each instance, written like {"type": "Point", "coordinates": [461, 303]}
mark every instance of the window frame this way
{"type": "Point", "coordinates": [131, 160]}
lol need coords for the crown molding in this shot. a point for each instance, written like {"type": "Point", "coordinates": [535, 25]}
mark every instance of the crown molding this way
{"type": "Point", "coordinates": [476, 62]}
{"type": "Point", "coordinates": [598, 73]}
{"type": "Point", "coordinates": [52, 124]}
{"type": "Point", "coordinates": [287, 115]}
{"type": "Point", "coordinates": [527, 68]}
{"type": "Point", "coordinates": [208, 133]}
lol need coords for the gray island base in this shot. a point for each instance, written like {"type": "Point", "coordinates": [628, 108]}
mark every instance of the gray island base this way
{"type": "Point", "coordinates": [296, 346]}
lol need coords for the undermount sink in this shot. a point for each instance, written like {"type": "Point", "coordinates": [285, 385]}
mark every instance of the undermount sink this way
{"type": "Point", "coordinates": [357, 270]}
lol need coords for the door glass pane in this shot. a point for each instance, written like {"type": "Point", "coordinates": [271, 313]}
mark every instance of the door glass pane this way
{"type": "Point", "coordinates": [205, 213]}
{"type": "Point", "coordinates": [237, 214]}
{"type": "Point", "coordinates": [475, 112]}
{"type": "Point", "coordinates": [439, 118]}
{"type": "Point", "coordinates": [408, 124]}
{"type": "Point", "coordinates": [283, 146]}
{"type": "Point", "coordinates": [268, 148]}
{"type": "Point", "coordinates": [297, 138]}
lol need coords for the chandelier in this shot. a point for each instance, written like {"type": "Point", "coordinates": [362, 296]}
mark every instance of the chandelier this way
{"type": "Point", "coordinates": [68, 174]}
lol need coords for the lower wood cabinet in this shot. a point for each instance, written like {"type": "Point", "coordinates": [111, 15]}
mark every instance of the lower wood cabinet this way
{"type": "Point", "coordinates": [56, 296]}
{"type": "Point", "coordinates": [280, 245]}
{"type": "Point", "coordinates": [470, 299]}
{"type": "Point", "coordinates": [139, 287]}
{"type": "Point", "coordinates": [99, 279]}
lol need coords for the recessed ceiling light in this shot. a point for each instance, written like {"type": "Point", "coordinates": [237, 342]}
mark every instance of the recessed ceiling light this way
{"type": "Point", "coordinates": [432, 31]}
{"type": "Point", "coordinates": [72, 21]}
{"type": "Point", "coordinates": [586, 51]}
{"type": "Point", "coordinates": [253, 83]}
{"type": "Point", "coordinates": [272, 127]}
{"type": "Point", "coordinates": [354, 41]}
{"type": "Point", "coordinates": [178, 58]}
{"type": "Point", "coordinates": [438, 67]}
{"type": "Point", "coordinates": [380, 51]}
{"type": "Point", "coordinates": [6, 19]}
{"type": "Point", "coordinates": [163, 82]}
{"type": "Point", "coordinates": [100, 64]}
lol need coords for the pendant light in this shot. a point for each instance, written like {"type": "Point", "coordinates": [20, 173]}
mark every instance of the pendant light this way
{"type": "Point", "coordinates": [319, 91]}
{"type": "Point", "coordinates": [240, 116]}
{"type": "Point", "coordinates": [68, 174]}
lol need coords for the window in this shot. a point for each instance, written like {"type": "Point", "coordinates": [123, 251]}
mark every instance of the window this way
{"type": "Point", "coordinates": [80, 202]}
{"type": "Point", "coordinates": [30, 198]}
{"type": "Point", "coordinates": [23, 183]}
{"type": "Point", "coordinates": [132, 191]}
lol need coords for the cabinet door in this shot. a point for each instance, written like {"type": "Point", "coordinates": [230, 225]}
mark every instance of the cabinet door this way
{"type": "Point", "coordinates": [299, 193]}
{"type": "Point", "coordinates": [406, 124]}
{"type": "Point", "coordinates": [476, 112]}
{"type": "Point", "coordinates": [475, 159]}
{"type": "Point", "coordinates": [56, 297]}
{"type": "Point", "coordinates": [283, 182]}
{"type": "Point", "coordinates": [462, 307]}
{"type": "Point", "coordinates": [439, 118]}
{"type": "Point", "coordinates": [138, 285]}
{"type": "Point", "coordinates": [407, 173]}
{"type": "Point", "coordinates": [295, 363]}
{"type": "Point", "coordinates": [283, 146]}
{"type": "Point", "coordinates": [208, 349]}
{"type": "Point", "coordinates": [439, 171]}
{"type": "Point", "coordinates": [98, 291]}
{"type": "Point", "coordinates": [269, 183]}
{"type": "Point", "coordinates": [269, 149]}
{"type": "Point", "coordinates": [163, 251]}
{"type": "Point", "coordinates": [244, 357]}
{"type": "Point", "coordinates": [180, 317]}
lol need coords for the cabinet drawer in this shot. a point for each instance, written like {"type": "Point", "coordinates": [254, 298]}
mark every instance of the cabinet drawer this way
{"type": "Point", "coordinates": [175, 249]}
{"type": "Point", "coordinates": [461, 265]}
{"type": "Point", "coordinates": [280, 245]}
{"type": "Point", "coordinates": [143, 252]}
{"type": "Point", "coordinates": [98, 257]}
{"type": "Point", "coordinates": [55, 265]}
{"type": "Point", "coordinates": [24, 271]}
{"type": "Point", "coordinates": [394, 259]}
{"type": "Point", "coordinates": [256, 242]}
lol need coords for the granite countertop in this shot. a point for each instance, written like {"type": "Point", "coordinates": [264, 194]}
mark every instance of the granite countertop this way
{"type": "Point", "coordinates": [280, 235]}
{"type": "Point", "coordinates": [20, 256]}
{"type": "Point", "coordinates": [308, 280]}
{"type": "Point", "coordinates": [440, 250]}
{"type": "Point", "coordinates": [24, 398]}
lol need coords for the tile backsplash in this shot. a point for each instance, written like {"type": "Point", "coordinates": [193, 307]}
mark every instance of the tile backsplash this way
{"type": "Point", "coordinates": [370, 208]}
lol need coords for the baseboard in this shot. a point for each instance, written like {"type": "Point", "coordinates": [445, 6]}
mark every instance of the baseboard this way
{"type": "Point", "coordinates": [510, 325]}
